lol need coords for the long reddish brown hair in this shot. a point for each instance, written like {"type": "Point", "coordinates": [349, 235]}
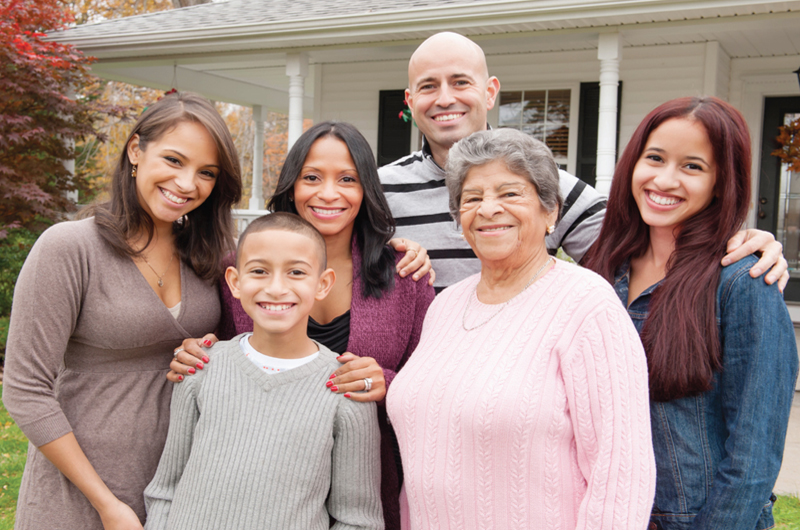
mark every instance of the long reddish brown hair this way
{"type": "Point", "coordinates": [680, 336]}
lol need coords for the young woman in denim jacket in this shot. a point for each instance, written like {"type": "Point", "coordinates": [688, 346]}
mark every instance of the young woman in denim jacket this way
{"type": "Point", "coordinates": [720, 344]}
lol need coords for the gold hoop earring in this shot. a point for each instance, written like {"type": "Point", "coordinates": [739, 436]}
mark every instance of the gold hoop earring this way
{"type": "Point", "coordinates": [133, 171]}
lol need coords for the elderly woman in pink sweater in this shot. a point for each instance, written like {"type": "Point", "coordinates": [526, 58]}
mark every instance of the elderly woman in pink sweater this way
{"type": "Point", "coordinates": [525, 404]}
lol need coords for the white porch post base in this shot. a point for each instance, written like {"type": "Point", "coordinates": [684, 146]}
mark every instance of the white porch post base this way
{"type": "Point", "coordinates": [257, 195]}
{"type": "Point", "coordinates": [609, 51]}
{"type": "Point", "coordinates": [297, 70]}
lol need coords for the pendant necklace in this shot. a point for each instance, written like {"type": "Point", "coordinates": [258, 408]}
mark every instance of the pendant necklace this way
{"type": "Point", "coordinates": [161, 276]}
{"type": "Point", "coordinates": [504, 304]}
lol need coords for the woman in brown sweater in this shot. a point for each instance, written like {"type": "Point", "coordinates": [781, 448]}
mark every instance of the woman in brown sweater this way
{"type": "Point", "coordinates": [98, 307]}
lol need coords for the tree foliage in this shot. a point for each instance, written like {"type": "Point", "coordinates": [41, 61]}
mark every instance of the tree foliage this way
{"type": "Point", "coordinates": [276, 127]}
{"type": "Point", "coordinates": [89, 11]}
{"type": "Point", "coordinates": [39, 120]}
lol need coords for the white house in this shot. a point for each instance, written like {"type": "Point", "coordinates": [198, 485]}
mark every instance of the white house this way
{"type": "Point", "coordinates": [558, 61]}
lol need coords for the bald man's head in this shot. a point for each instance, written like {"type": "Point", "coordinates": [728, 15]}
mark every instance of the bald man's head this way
{"type": "Point", "coordinates": [447, 40]}
{"type": "Point", "coordinates": [449, 90]}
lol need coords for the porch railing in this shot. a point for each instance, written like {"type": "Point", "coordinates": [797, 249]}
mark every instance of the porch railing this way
{"type": "Point", "coordinates": [242, 218]}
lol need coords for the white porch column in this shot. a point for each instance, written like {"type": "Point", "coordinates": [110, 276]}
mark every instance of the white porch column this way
{"type": "Point", "coordinates": [69, 165]}
{"type": "Point", "coordinates": [609, 52]}
{"type": "Point", "coordinates": [257, 195]}
{"type": "Point", "coordinates": [297, 70]}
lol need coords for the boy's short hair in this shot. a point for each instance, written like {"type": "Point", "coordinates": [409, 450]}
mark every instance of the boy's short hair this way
{"type": "Point", "coordinates": [289, 222]}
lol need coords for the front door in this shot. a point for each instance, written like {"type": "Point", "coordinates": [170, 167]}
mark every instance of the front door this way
{"type": "Point", "coordinates": [778, 197]}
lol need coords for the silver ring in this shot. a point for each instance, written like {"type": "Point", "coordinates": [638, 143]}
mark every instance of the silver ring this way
{"type": "Point", "coordinates": [367, 384]}
{"type": "Point", "coordinates": [176, 352]}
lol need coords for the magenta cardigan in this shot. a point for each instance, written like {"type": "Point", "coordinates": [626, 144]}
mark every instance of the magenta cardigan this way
{"type": "Point", "coordinates": [386, 329]}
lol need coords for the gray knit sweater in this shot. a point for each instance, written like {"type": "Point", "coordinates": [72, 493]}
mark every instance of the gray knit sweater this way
{"type": "Point", "coordinates": [247, 449]}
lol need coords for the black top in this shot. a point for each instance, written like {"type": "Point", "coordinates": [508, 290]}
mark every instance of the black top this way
{"type": "Point", "coordinates": [335, 334]}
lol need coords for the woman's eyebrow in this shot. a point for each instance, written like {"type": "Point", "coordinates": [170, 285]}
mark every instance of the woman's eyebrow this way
{"type": "Point", "coordinates": [507, 184]}
{"type": "Point", "coordinates": [186, 158]}
{"type": "Point", "coordinates": [700, 158]}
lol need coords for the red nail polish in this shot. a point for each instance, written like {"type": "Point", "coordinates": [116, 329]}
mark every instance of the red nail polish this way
{"type": "Point", "coordinates": [207, 343]}
{"type": "Point", "coordinates": [332, 376]}
{"type": "Point", "coordinates": [329, 384]}
{"type": "Point", "coordinates": [199, 365]}
{"type": "Point", "coordinates": [205, 358]}
{"type": "Point", "coordinates": [347, 395]}
{"type": "Point", "coordinates": [335, 388]}
{"type": "Point", "coordinates": [190, 370]}
{"type": "Point", "coordinates": [180, 378]}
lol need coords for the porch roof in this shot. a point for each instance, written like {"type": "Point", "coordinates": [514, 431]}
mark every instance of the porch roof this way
{"type": "Point", "coordinates": [235, 50]}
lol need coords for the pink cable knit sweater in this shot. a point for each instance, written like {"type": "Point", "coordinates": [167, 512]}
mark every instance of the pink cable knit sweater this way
{"type": "Point", "coordinates": [537, 419]}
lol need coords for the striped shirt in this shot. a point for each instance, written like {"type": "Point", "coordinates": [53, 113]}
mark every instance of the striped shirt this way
{"type": "Point", "coordinates": [417, 195]}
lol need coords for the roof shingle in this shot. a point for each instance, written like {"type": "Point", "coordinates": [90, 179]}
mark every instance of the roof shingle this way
{"type": "Point", "coordinates": [231, 13]}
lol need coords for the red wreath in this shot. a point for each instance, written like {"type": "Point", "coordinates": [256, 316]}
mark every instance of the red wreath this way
{"type": "Point", "coordinates": [789, 140]}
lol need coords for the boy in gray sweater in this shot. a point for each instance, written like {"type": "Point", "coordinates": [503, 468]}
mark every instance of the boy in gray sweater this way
{"type": "Point", "coordinates": [256, 440]}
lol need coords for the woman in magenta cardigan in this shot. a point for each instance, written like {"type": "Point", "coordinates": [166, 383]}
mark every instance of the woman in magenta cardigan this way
{"type": "Point", "coordinates": [331, 180]}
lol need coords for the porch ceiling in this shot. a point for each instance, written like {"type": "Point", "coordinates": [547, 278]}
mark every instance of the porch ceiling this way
{"type": "Point", "coordinates": [215, 50]}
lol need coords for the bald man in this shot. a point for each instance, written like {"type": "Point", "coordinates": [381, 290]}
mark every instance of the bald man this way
{"type": "Point", "coordinates": [449, 93]}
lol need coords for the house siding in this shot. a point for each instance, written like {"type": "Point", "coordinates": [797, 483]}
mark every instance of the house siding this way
{"type": "Point", "coordinates": [350, 92]}
{"type": "Point", "coordinates": [650, 75]}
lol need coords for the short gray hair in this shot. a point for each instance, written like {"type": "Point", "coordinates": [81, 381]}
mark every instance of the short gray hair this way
{"type": "Point", "coordinates": [522, 155]}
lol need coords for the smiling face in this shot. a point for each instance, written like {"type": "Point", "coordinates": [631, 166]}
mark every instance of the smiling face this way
{"type": "Point", "coordinates": [674, 177]}
{"type": "Point", "coordinates": [502, 218]}
{"type": "Point", "coordinates": [278, 278]}
{"type": "Point", "coordinates": [328, 192]}
{"type": "Point", "coordinates": [449, 91]}
{"type": "Point", "coordinates": [175, 173]}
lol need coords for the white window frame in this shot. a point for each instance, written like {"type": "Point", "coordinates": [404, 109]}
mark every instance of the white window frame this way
{"type": "Point", "coordinates": [574, 108]}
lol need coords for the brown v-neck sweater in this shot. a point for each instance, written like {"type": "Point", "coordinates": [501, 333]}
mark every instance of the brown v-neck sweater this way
{"type": "Point", "coordinates": [88, 349]}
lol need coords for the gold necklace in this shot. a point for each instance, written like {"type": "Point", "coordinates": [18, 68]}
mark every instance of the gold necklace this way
{"type": "Point", "coordinates": [160, 276]}
{"type": "Point", "coordinates": [504, 304]}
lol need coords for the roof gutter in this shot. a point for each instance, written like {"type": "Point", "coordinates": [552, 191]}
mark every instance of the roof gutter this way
{"type": "Point", "coordinates": [396, 25]}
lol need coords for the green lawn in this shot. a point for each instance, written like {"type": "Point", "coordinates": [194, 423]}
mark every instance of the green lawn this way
{"type": "Point", "coordinates": [14, 446]}
{"type": "Point", "coordinates": [787, 513]}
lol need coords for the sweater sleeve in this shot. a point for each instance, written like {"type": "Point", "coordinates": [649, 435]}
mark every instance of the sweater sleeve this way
{"type": "Point", "coordinates": [759, 353]}
{"type": "Point", "coordinates": [183, 418]}
{"type": "Point", "coordinates": [354, 499]}
{"type": "Point", "coordinates": [582, 217]}
{"type": "Point", "coordinates": [47, 303]}
{"type": "Point", "coordinates": [423, 296]}
{"type": "Point", "coordinates": [605, 375]}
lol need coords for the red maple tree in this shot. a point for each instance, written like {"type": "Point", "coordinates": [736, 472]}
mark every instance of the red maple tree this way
{"type": "Point", "coordinates": [40, 115]}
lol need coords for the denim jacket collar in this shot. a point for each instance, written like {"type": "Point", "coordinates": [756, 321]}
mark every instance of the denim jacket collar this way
{"type": "Point", "coordinates": [638, 309]}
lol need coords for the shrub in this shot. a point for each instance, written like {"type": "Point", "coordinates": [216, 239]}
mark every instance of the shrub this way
{"type": "Point", "coordinates": [13, 251]}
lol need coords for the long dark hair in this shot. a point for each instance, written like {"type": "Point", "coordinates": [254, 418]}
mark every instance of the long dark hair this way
{"type": "Point", "coordinates": [205, 234]}
{"type": "Point", "coordinates": [680, 336]}
{"type": "Point", "coordinates": [374, 224]}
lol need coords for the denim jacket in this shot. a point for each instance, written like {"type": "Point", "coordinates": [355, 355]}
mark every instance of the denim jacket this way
{"type": "Point", "coordinates": [718, 454]}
